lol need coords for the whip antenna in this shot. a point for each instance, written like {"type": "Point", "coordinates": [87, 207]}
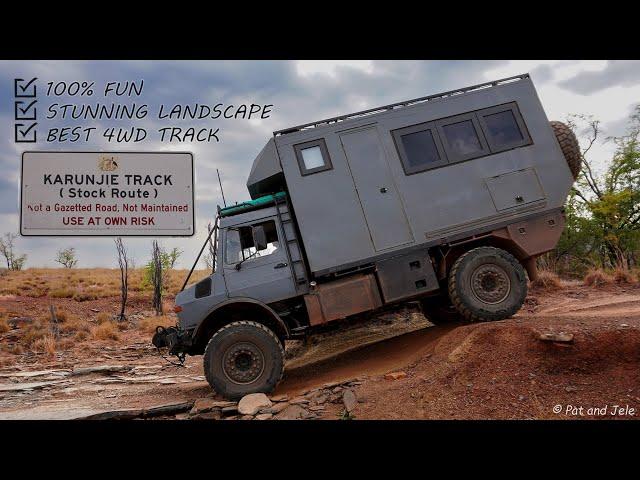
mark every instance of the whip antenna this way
{"type": "Point", "coordinates": [221, 190]}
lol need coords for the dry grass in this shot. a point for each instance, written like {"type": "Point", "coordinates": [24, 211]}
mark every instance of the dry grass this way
{"type": "Point", "coordinates": [597, 278]}
{"type": "Point", "coordinates": [4, 325]}
{"type": "Point", "coordinates": [105, 331]}
{"type": "Point", "coordinates": [82, 284]}
{"type": "Point", "coordinates": [103, 317]}
{"type": "Point", "coordinates": [623, 276]}
{"type": "Point", "coordinates": [149, 324]}
{"type": "Point", "coordinates": [46, 344]}
{"type": "Point", "coordinates": [547, 280]}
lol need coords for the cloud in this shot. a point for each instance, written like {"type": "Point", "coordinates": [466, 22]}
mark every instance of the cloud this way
{"type": "Point", "coordinates": [616, 73]}
{"type": "Point", "coordinates": [301, 92]}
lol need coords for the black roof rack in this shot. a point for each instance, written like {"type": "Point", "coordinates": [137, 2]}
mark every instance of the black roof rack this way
{"type": "Point", "coordinates": [405, 103]}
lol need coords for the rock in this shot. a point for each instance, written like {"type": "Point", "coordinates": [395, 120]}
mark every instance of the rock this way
{"type": "Point", "coordinates": [246, 417]}
{"type": "Point", "coordinates": [395, 375]}
{"type": "Point", "coordinates": [299, 401]}
{"type": "Point", "coordinates": [570, 388]}
{"type": "Point", "coordinates": [18, 322]}
{"type": "Point", "coordinates": [280, 398]}
{"type": "Point", "coordinates": [561, 337]}
{"type": "Point", "coordinates": [337, 389]}
{"type": "Point", "coordinates": [203, 405]}
{"type": "Point", "coordinates": [106, 369]}
{"type": "Point", "coordinates": [232, 417]}
{"type": "Point", "coordinates": [277, 408]}
{"type": "Point", "coordinates": [17, 387]}
{"type": "Point", "coordinates": [95, 310]}
{"type": "Point", "coordinates": [319, 399]}
{"type": "Point", "coordinates": [293, 412]}
{"type": "Point", "coordinates": [226, 411]}
{"type": "Point", "coordinates": [349, 400]}
{"type": "Point", "coordinates": [252, 403]}
{"type": "Point", "coordinates": [37, 373]}
{"type": "Point", "coordinates": [317, 408]}
{"type": "Point", "coordinates": [264, 416]}
{"type": "Point", "coordinates": [330, 385]}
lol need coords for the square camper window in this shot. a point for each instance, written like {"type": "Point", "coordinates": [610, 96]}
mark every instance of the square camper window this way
{"type": "Point", "coordinates": [419, 148]}
{"type": "Point", "coordinates": [239, 242]}
{"type": "Point", "coordinates": [504, 128]}
{"type": "Point", "coordinates": [313, 157]}
{"type": "Point", "coordinates": [462, 137]}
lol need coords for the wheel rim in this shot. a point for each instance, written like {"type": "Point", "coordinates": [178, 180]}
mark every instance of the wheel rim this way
{"type": "Point", "coordinates": [490, 284]}
{"type": "Point", "coordinates": [243, 363]}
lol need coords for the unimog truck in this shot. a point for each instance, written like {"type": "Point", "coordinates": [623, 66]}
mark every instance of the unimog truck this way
{"type": "Point", "coordinates": [446, 200]}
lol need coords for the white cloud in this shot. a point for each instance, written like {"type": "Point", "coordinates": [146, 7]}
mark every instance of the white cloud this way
{"type": "Point", "coordinates": [331, 67]}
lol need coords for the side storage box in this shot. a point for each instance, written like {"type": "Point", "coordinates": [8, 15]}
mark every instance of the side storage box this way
{"type": "Point", "coordinates": [406, 276]}
{"type": "Point", "coordinates": [341, 298]}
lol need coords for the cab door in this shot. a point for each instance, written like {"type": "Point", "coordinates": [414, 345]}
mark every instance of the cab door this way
{"type": "Point", "coordinates": [263, 275]}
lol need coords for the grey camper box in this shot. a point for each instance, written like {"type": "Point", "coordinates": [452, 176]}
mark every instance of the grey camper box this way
{"type": "Point", "coordinates": [446, 199]}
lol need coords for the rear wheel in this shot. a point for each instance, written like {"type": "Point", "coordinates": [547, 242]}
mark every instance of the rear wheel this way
{"type": "Point", "coordinates": [243, 357]}
{"type": "Point", "coordinates": [487, 284]}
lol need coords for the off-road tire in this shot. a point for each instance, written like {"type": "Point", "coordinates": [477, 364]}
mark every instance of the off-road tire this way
{"type": "Point", "coordinates": [569, 146]}
{"type": "Point", "coordinates": [236, 333]}
{"type": "Point", "coordinates": [439, 309]}
{"type": "Point", "coordinates": [465, 297]}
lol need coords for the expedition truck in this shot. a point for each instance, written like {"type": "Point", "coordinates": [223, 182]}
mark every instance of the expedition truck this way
{"type": "Point", "coordinates": [446, 200]}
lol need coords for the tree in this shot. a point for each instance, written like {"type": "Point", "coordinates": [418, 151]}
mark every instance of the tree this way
{"type": "Point", "coordinates": [123, 262]}
{"type": "Point", "coordinates": [603, 209]}
{"type": "Point", "coordinates": [14, 261]}
{"type": "Point", "coordinates": [67, 257]}
{"type": "Point", "coordinates": [210, 257]}
{"type": "Point", "coordinates": [157, 278]}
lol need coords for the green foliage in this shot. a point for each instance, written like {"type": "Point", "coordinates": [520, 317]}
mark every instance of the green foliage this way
{"type": "Point", "coordinates": [168, 261]}
{"type": "Point", "coordinates": [603, 209]}
{"type": "Point", "coordinates": [13, 260]}
{"type": "Point", "coordinates": [67, 257]}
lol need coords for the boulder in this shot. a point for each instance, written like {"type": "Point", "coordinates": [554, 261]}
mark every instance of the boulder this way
{"type": "Point", "coordinates": [561, 337]}
{"type": "Point", "coordinates": [349, 400]}
{"type": "Point", "coordinates": [395, 375]}
{"type": "Point", "coordinates": [253, 403]}
{"type": "Point", "coordinates": [293, 412]}
{"type": "Point", "coordinates": [204, 405]}
{"type": "Point", "coordinates": [264, 416]}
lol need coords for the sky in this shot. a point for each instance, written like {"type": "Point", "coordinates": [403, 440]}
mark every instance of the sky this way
{"type": "Point", "coordinates": [300, 92]}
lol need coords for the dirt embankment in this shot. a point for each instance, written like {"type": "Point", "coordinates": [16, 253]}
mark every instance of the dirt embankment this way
{"type": "Point", "coordinates": [500, 370]}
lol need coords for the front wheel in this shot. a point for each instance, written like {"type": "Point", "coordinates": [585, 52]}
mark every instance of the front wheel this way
{"type": "Point", "coordinates": [487, 284]}
{"type": "Point", "coordinates": [242, 358]}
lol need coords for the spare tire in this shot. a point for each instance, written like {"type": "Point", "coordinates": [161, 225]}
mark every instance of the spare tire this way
{"type": "Point", "coordinates": [569, 146]}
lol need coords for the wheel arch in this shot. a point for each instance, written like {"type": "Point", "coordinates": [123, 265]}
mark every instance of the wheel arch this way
{"type": "Point", "coordinates": [234, 309]}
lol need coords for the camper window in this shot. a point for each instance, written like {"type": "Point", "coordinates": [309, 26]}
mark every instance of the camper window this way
{"type": "Point", "coordinates": [239, 242]}
{"type": "Point", "coordinates": [313, 157]}
{"type": "Point", "coordinates": [462, 137]}
{"type": "Point", "coordinates": [419, 148]}
{"type": "Point", "coordinates": [504, 127]}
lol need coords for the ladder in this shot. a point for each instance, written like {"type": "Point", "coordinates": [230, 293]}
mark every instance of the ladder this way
{"type": "Point", "coordinates": [291, 244]}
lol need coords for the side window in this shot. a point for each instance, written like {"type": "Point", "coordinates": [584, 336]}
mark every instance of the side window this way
{"type": "Point", "coordinates": [419, 147]}
{"type": "Point", "coordinates": [239, 242]}
{"type": "Point", "coordinates": [313, 157]}
{"type": "Point", "coordinates": [504, 127]}
{"type": "Point", "coordinates": [462, 137]}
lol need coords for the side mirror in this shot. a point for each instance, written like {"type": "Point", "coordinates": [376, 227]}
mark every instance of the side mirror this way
{"type": "Point", "coordinates": [259, 238]}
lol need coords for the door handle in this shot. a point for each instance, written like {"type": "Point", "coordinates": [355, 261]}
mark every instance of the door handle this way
{"type": "Point", "coordinates": [383, 190]}
{"type": "Point", "coordinates": [281, 265]}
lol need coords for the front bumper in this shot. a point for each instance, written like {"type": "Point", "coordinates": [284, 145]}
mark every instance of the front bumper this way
{"type": "Point", "coordinates": [176, 340]}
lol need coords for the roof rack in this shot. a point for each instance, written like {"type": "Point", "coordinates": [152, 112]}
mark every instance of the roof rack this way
{"type": "Point", "coordinates": [405, 103]}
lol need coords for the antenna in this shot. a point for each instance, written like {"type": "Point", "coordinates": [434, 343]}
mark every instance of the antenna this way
{"type": "Point", "coordinates": [221, 190]}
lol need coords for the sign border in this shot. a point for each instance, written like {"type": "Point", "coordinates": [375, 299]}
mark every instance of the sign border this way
{"type": "Point", "coordinates": [106, 152]}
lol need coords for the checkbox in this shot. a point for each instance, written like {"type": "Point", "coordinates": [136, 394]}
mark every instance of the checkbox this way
{"type": "Point", "coordinates": [24, 89]}
{"type": "Point", "coordinates": [25, 111]}
{"type": "Point", "coordinates": [25, 132]}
